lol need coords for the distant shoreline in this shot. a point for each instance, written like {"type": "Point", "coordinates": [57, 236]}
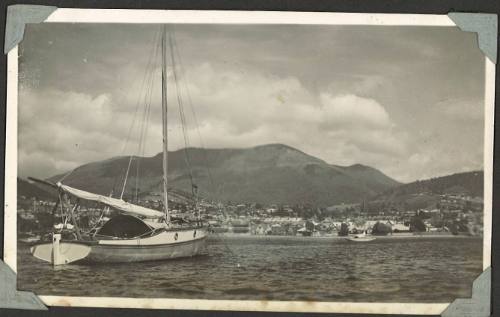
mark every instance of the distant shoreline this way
{"type": "Point", "coordinates": [394, 236]}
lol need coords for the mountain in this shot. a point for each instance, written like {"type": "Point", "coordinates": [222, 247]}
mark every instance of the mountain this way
{"type": "Point", "coordinates": [30, 190]}
{"type": "Point", "coordinates": [468, 183]}
{"type": "Point", "coordinates": [426, 194]}
{"type": "Point", "coordinates": [273, 173]}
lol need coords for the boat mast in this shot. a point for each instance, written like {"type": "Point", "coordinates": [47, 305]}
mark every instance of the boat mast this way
{"type": "Point", "coordinates": [164, 118]}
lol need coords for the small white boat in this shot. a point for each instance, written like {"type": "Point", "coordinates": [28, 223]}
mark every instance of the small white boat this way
{"type": "Point", "coordinates": [361, 238]}
{"type": "Point", "coordinates": [29, 238]}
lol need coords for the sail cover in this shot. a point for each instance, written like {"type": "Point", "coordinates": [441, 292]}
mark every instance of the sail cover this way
{"type": "Point", "coordinates": [118, 204]}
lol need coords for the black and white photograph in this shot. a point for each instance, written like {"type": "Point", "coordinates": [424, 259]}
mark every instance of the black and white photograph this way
{"type": "Point", "coordinates": [252, 162]}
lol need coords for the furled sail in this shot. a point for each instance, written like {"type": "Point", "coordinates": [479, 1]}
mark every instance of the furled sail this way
{"type": "Point", "coordinates": [118, 204]}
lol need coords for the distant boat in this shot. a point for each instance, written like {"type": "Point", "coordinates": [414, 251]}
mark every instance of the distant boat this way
{"type": "Point", "coordinates": [28, 238]}
{"type": "Point", "coordinates": [305, 232]}
{"type": "Point", "coordinates": [362, 237]}
{"type": "Point", "coordinates": [137, 233]}
{"type": "Point", "coordinates": [240, 226]}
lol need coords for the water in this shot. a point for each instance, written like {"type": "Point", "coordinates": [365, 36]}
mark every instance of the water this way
{"type": "Point", "coordinates": [424, 269]}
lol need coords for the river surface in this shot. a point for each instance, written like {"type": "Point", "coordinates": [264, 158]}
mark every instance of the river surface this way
{"type": "Point", "coordinates": [423, 269]}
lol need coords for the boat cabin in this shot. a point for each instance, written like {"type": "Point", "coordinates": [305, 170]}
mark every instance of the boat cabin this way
{"type": "Point", "coordinates": [124, 227]}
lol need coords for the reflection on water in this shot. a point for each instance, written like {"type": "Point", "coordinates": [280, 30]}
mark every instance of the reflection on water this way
{"type": "Point", "coordinates": [279, 268]}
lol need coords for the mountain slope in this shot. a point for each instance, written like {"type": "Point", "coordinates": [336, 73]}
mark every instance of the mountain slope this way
{"type": "Point", "coordinates": [468, 183]}
{"type": "Point", "coordinates": [273, 173]}
{"type": "Point", "coordinates": [31, 190]}
{"type": "Point", "coordinates": [427, 194]}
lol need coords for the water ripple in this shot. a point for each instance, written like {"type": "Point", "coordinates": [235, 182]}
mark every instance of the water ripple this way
{"type": "Point", "coordinates": [278, 268]}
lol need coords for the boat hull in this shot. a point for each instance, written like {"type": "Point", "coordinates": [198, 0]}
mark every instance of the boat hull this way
{"type": "Point", "coordinates": [355, 239]}
{"type": "Point", "coordinates": [165, 245]}
{"type": "Point", "coordinates": [68, 252]}
{"type": "Point", "coordinates": [139, 253]}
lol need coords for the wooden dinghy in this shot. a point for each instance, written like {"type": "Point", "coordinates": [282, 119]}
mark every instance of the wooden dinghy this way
{"type": "Point", "coordinates": [360, 238]}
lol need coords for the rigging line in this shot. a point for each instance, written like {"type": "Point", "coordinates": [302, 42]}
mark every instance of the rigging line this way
{"type": "Point", "coordinates": [183, 73]}
{"type": "Point", "coordinates": [130, 161]}
{"type": "Point", "coordinates": [142, 129]}
{"type": "Point", "coordinates": [147, 110]}
{"type": "Point", "coordinates": [190, 103]}
{"type": "Point", "coordinates": [146, 119]}
{"type": "Point", "coordinates": [145, 128]}
{"type": "Point", "coordinates": [146, 84]}
{"type": "Point", "coordinates": [140, 147]}
{"type": "Point", "coordinates": [226, 246]}
{"type": "Point", "coordinates": [182, 116]}
{"type": "Point", "coordinates": [150, 98]}
{"type": "Point", "coordinates": [143, 152]}
{"type": "Point", "coordinates": [66, 175]}
{"type": "Point", "coordinates": [142, 142]}
{"type": "Point", "coordinates": [147, 72]}
{"type": "Point", "coordinates": [126, 176]}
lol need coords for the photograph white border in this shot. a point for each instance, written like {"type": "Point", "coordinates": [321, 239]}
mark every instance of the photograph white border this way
{"type": "Point", "coordinates": [63, 15]}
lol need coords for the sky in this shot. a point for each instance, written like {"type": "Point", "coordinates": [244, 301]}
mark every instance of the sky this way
{"type": "Point", "coordinates": [406, 100]}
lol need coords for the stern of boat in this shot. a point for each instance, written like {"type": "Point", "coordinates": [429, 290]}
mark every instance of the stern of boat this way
{"type": "Point", "coordinates": [59, 252]}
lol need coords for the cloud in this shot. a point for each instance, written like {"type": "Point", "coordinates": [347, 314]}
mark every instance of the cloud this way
{"type": "Point", "coordinates": [232, 108]}
{"type": "Point", "coordinates": [462, 109]}
{"type": "Point", "coordinates": [354, 111]}
{"type": "Point", "coordinates": [246, 108]}
{"type": "Point", "coordinates": [60, 130]}
{"type": "Point", "coordinates": [409, 107]}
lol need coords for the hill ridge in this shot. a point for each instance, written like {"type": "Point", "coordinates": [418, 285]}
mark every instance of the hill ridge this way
{"type": "Point", "coordinates": [269, 173]}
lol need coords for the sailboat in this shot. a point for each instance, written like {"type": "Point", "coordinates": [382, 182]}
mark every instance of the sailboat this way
{"type": "Point", "coordinates": [136, 234]}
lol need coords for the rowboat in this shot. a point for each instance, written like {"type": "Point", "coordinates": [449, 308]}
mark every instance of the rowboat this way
{"type": "Point", "coordinates": [360, 238]}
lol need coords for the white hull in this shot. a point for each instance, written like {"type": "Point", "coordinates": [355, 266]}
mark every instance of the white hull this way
{"type": "Point", "coordinates": [162, 246]}
{"type": "Point", "coordinates": [360, 239]}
